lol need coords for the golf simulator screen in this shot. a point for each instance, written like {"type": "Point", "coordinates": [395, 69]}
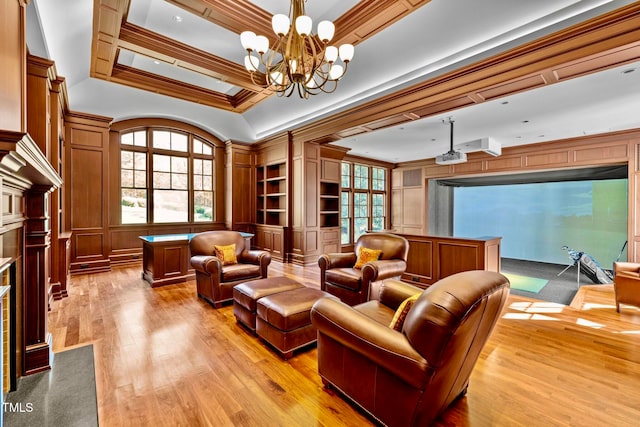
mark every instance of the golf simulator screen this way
{"type": "Point", "coordinates": [535, 220]}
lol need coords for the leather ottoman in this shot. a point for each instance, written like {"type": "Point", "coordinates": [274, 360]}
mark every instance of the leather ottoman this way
{"type": "Point", "coordinates": [246, 295]}
{"type": "Point", "coordinates": [284, 320]}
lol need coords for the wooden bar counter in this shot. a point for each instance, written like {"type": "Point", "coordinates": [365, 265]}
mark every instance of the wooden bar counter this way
{"type": "Point", "coordinates": [433, 257]}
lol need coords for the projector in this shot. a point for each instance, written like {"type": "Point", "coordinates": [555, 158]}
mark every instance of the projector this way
{"type": "Point", "coordinates": [451, 158]}
{"type": "Point", "coordinates": [488, 145]}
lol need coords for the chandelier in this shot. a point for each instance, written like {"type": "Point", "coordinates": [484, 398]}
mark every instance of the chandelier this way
{"type": "Point", "coordinates": [298, 61]}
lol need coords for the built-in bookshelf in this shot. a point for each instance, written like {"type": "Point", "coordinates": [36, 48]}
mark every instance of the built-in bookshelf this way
{"type": "Point", "coordinates": [329, 204]}
{"type": "Point", "coordinates": [271, 193]}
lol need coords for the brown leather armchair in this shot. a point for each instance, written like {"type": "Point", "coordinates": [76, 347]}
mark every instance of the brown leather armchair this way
{"type": "Point", "coordinates": [214, 280]}
{"type": "Point", "coordinates": [626, 283]}
{"type": "Point", "coordinates": [409, 377]}
{"type": "Point", "coordinates": [352, 285]}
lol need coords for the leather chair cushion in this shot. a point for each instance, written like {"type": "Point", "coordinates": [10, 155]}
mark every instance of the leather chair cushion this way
{"type": "Point", "coordinates": [375, 310]}
{"type": "Point", "coordinates": [232, 273]}
{"type": "Point", "coordinates": [226, 254]}
{"type": "Point", "coordinates": [348, 278]}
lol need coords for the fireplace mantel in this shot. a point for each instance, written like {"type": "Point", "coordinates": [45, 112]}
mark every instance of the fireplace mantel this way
{"type": "Point", "coordinates": [23, 164]}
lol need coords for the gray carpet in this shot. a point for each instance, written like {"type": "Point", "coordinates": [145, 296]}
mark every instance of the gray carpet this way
{"type": "Point", "coordinates": [560, 289]}
{"type": "Point", "coordinates": [64, 396]}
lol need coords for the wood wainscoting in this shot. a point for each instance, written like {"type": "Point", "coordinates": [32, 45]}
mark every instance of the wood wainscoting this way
{"type": "Point", "coordinates": [432, 258]}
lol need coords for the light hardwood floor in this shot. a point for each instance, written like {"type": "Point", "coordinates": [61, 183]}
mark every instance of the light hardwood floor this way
{"type": "Point", "coordinates": [165, 358]}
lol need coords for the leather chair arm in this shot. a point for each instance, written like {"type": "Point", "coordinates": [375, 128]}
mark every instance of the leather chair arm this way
{"type": "Point", "coordinates": [255, 256]}
{"type": "Point", "coordinates": [337, 260]}
{"type": "Point", "coordinates": [383, 269]}
{"type": "Point", "coordinates": [627, 279]}
{"type": "Point", "coordinates": [207, 264]}
{"type": "Point", "coordinates": [626, 267]}
{"type": "Point", "coordinates": [393, 292]}
{"type": "Point", "coordinates": [380, 344]}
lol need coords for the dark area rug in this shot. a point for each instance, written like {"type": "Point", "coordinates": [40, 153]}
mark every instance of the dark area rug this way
{"type": "Point", "coordinates": [561, 289]}
{"type": "Point", "coordinates": [64, 396]}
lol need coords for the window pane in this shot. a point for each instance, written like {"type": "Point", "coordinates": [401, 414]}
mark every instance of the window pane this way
{"type": "Point", "coordinates": [162, 139]}
{"type": "Point", "coordinates": [207, 167]}
{"type": "Point", "coordinates": [197, 146]}
{"type": "Point", "coordinates": [346, 175]}
{"type": "Point", "coordinates": [360, 214]}
{"type": "Point", "coordinates": [345, 232]}
{"type": "Point", "coordinates": [140, 161]}
{"type": "Point", "coordinates": [126, 159]}
{"type": "Point", "coordinates": [345, 218]}
{"type": "Point", "coordinates": [206, 149]}
{"type": "Point", "coordinates": [179, 142]}
{"type": "Point", "coordinates": [377, 212]}
{"type": "Point", "coordinates": [378, 180]}
{"type": "Point", "coordinates": [126, 139]}
{"type": "Point", "coordinates": [161, 163]}
{"type": "Point", "coordinates": [197, 166]}
{"type": "Point", "coordinates": [140, 179]}
{"type": "Point", "coordinates": [207, 183]}
{"type": "Point", "coordinates": [179, 164]}
{"type": "Point", "coordinates": [140, 138]}
{"type": "Point", "coordinates": [202, 206]}
{"type": "Point", "coordinates": [179, 181]}
{"type": "Point", "coordinates": [197, 182]}
{"type": "Point", "coordinates": [134, 206]}
{"type": "Point", "coordinates": [359, 227]}
{"type": "Point", "coordinates": [170, 206]}
{"type": "Point", "coordinates": [361, 177]}
{"type": "Point", "coordinates": [126, 178]}
{"type": "Point", "coordinates": [161, 180]}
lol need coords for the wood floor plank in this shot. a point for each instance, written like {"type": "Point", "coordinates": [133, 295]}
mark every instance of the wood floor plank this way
{"type": "Point", "coordinates": [165, 357]}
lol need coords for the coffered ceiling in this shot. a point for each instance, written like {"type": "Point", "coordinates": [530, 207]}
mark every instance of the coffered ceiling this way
{"type": "Point", "coordinates": [416, 63]}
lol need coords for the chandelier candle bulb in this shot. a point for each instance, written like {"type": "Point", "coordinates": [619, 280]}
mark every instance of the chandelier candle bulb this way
{"type": "Point", "coordinates": [331, 54]}
{"type": "Point", "coordinates": [303, 25]}
{"type": "Point", "coordinates": [298, 61]}
{"type": "Point", "coordinates": [346, 52]}
{"type": "Point", "coordinates": [326, 29]}
{"type": "Point", "coordinates": [280, 24]}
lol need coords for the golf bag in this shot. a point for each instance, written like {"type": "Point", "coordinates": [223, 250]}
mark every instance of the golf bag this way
{"type": "Point", "coordinates": [589, 266]}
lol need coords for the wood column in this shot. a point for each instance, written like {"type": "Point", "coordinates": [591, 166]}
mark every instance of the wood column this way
{"type": "Point", "coordinates": [37, 339]}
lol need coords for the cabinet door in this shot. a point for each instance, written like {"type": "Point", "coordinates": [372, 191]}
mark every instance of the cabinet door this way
{"type": "Point", "coordinates": [330, 170]}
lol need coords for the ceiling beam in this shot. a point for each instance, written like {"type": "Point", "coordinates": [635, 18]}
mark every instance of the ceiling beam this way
{"type": "Point", "coordinates": [148, 43]}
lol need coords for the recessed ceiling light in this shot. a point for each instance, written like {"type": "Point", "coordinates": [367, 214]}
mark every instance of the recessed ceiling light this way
{"type": "Point", "coordinates": [628, 71]}
{"type": "Point", "coordinates": [525, 121]}
{"type": "Point", "coordinates": [540, 136]}
{"type": "Point", "coordinates": [156, 62]}
{"type": "Point", "coordinates": [504, 102]}
{"type": "Point", "coordinates": [177, 18]}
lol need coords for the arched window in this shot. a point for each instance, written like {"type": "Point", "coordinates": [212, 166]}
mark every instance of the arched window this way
{"type": "Point", "coordinates": [166, 176]}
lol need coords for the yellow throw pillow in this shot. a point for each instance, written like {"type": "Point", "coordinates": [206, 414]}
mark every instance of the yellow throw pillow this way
{"type": "Point", "coordinates": [226, 254]}
{"type": "Point", "coordinates": [365, 255]}
{"type": "Point", "coordinates": [402, 311]}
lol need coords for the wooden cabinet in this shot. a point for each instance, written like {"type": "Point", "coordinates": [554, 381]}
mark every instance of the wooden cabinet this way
{"type": "Point", "coordinates": [272, 238]}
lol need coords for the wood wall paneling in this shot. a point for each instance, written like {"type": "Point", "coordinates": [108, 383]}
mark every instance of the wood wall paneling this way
{"type": "Point", "coordinates": [13, 48]}
{"type": "Point", "coordinates": [87, 153]}
{"type": "Point", "coordinates": [87, 177]}
{"type": "Point", "coordinates": [432, 258]}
